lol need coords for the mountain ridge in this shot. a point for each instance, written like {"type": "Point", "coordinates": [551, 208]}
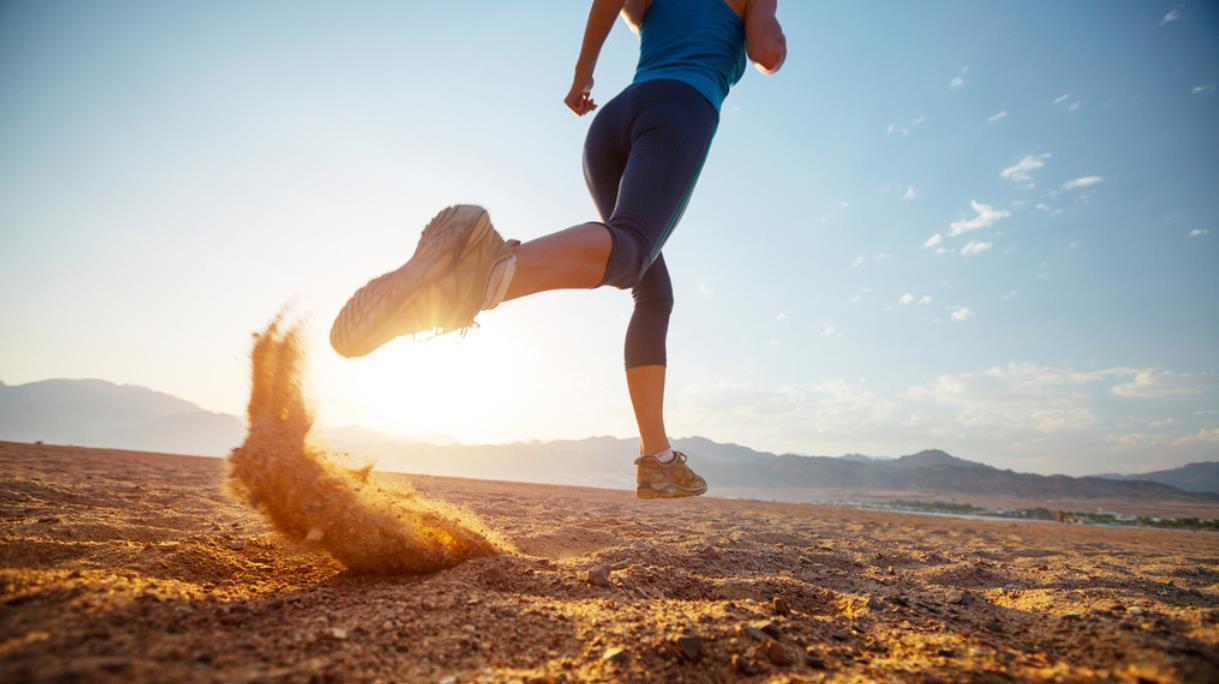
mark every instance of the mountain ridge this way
{"type": "Point", "coordinates": [94, 412]}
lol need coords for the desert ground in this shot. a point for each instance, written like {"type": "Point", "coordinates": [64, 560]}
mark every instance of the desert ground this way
{"type": "Point", "coordinates": [126, 566]}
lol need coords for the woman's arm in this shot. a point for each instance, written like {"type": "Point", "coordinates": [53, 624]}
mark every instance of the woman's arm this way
{"type": "Point", "coordinates": [764, 40]}
{"type": "Point", "coordinates": [601, 19]}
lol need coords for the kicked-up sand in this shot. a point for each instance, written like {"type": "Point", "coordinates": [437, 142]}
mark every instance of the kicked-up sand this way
{"type": "Point", "coordinates": [132, 567]}
{"type": "Point", "coordinates": [309, 499]}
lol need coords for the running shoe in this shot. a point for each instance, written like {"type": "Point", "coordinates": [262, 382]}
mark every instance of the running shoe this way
{"type": "Point", "coordinates": [656, 480]}
{"type": "Point", "coordinates": [440, 289]}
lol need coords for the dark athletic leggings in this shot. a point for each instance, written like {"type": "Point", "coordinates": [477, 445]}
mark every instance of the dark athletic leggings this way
{"type": "Point", "coordinates": [642, 156]}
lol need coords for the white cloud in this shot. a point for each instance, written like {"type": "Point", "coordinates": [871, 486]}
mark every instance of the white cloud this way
{"type": "Point", "coordinates": [1198, 232]}
{"type": "Point", "coordinates": [958, 81]}
{"type": "Point", "coordinates": [1062, 98]}
{"type": "Point", "coordinates": [858, 262]}
{"type": "Point", "coordinates": [1043, 206]}
{"type": "Point", "coordinates": [961, 313]}
{"type": "Point", "coordinates": [907, 298]}
{"type": "Point", "coordinates": [1204, 88]}
{"type": "Point", "coordinates": [830, 330]}
{"type": "Point", "coordinates": [1075, 106]}
{"type": "Point", "coordinates": [918, 121]}
{"type": "Point", "coordinates": [925, 299]}
{"type": "Point", "coordinates": [704, 290]}
{"type": "Point", "coordinates": [1157, 384]}
{"type": "Point", "coordinates": [996, 118]}
{"type": "Point", "coordinates": [910, 193]}
{"type": "Point", "coordinates": [987, 216]}
{"type": "Point", "coordinates": [934, 240]}
{"type": "Point", "coordinates": [905, 130]}
{"type": "Point", "coordinates": [860, 296]}
{"type": "Point", "coordinates": [974, 247]}
{"type": "Point", "coordinates": [1173, 15]}
{"type": "Point", "coordinates": [1010, 295]}
{"type": "Point", "coordinates": [1021, 171]}
{"type": "Point", "coordinates": [781, 317]}
{"type": "Point", "coordinates": [882, 256]}
{"type": "Point", "coordinates": [1210, 436]}
{"type": "Point", "coordinates": [1082, 182]}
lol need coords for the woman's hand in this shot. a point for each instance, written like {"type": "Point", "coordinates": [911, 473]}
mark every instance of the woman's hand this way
{"type": "Point", "coordinates": [579, 98]}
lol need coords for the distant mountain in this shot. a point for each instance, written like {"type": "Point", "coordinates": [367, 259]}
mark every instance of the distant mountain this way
{"type": "Point", "coordinates": [103, 414]}
{"type": "Point", "coordinates": [1195, 477]}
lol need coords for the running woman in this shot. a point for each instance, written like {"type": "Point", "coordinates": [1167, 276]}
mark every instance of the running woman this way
{"type": "Point", "coordinates": [642, 157]}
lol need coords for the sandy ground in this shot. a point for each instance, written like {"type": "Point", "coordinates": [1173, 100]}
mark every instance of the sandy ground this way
{"type": "Point", "coordinates": [121, 566]}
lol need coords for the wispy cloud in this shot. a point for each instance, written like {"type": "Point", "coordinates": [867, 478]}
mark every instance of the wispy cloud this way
{"type": "Point", "coordinates": [1156, 384]}
{"type": "Point", "coordinates": [1204, 436]}
{"type": "Point", "coordinates": [1082, 182]}
{"type": "Point", "coordinates": [986, 216]}
{"type": "Point", "coordinates": [910, 193]}
{"type": "Point", "coordinates": [925, 299]}
{"type": "Point", "coordinates": [1062, 98]}
{"type": "Point", "coordinates": [1202, 89]}
{"type": "Point", "coordinates": [1198, 232]}
{"type": "Point", "coordinates": [961, 313]}
{"type": "Point", "coordinates": [1173, 15]}
{"type": "Point", "coordinates": [1075, 106]}
{"type": "Point", "coordinates": [905, 129]}
{"type": "Point", "coordinates": [781, 316]}
{"type": "Point", "coordinates": [996, 118]}
{"type": "Point", "coordinates": [830, 330]}
{"type": "Point", "coordinates": [907, 298]}
{"type": "Point", "coordinates": [1022, 171]}
{"type": "Point", "coordinates": [974, 247]}
{"type": "Point", "coordinates": [934, 241]}
{"type": "Point", "coordinates": [958, 81]}
{"type": "Point", "coordinates": [858, 262]}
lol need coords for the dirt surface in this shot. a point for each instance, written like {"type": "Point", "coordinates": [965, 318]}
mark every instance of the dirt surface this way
{"type": "Point", "coordinates": [121, 566]}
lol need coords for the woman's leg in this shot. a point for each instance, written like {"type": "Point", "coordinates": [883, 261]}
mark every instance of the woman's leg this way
{"type": "Point", "coordinates": [571, 258]}
{"type": "Point", "coordinates": [645, 356]}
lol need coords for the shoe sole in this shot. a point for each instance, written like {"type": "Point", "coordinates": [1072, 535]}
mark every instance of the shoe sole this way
{"type": "Point", "coordinates": [669, 491]}
{"type": "Point", "coordinates": [368, 320]}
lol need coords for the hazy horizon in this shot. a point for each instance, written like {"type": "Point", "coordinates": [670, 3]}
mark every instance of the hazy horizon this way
{"type": "Point", "coordinates": [987, 227]}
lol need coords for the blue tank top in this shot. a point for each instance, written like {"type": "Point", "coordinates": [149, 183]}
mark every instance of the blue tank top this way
{"type": "Point", "coordinates": [698, 42]}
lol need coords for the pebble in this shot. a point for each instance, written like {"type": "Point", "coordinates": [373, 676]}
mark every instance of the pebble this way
{"type": "Point", "coordinates": [448, 679]}
{"type": "Point", "coordinates": [956, 597]}
{"type": "Point", "coordinates": [614, 654]}
{"type": "Point", "coordinates": [751, 631]}
{"type": "Point", "coordinates": [338, 633]}
{"type": "Point", "coordinates": [773, 629]}
{"type": "Point", "coordinates": [779, 654]}
{"type": "Point", "coordinates": [1136, 611]}
{"type": "Point", "coordinates": [690, 647]}
{"type": "Point", "coordinates": [598, 576]}
{"type": "Point", "coordinates": [742, 665]}
{"type": "Point", "coordinates": [779, 605]}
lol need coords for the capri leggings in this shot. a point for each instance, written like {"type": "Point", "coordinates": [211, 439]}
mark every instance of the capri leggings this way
{"type": "Point", "coordinates": [642, 157]}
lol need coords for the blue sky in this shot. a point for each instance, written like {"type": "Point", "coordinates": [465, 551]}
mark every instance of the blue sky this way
{"type": "Point", "coordinates": [174, 173]}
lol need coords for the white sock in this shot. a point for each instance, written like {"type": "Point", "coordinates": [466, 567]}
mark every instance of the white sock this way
{"type": "Point", "coordinates": [665, 456]}
{"type": "Point", "coordinates": [497, 284]}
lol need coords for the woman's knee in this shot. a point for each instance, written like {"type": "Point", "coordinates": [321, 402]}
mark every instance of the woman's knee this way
{"type": "Point", "coordinates": [630, 255]}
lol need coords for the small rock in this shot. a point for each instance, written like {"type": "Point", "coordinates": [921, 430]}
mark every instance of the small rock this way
{"type": "Point", "coordinates": [814, 662]}
{"type": "Point", "coordinates": [598, 576]}
{"type": "Point", "coordinates": [614, 654]}
{"type": "Point", "coordinates": [899, 600]}
{"type": "Point", "coordinates": [772, 629]}
{"type": "Point", "coordinates": [956, 597]}
{"type": "Point", "coordinates": [237, 544]}
{"type": "Point", "coordinates": [337, 633]}
{"type": "Point", "coordinates": [1135, 611]}
{"type": "Point", "coordinates": [779, 606]}
{"type": "Point", "coordinates": [889, 570]}
{"type": "Point", "coordinates": [946, 652]}
{"type": "Point", "coordinates": [48, 520]}
{"type": "Point", "coordinates": [1117, 608]}
{"type": "Point", "coordinates": [495, 576]}
{"type": "Point", "coordinates": [1069, 616]}
{"type": "Point", "coordinates": [690, 647]}
{"type": "Point", "coordinates": [752, 632]}
{"type": "Point", "coordinates": [448, 679]}
{"type": "Point", "coordinates": [709, 553]}
{"type": "Point", "coordinates": [743, 665]}
{"type": "Point", "coordinates": [779, 654]}
{"type": "Point", "coordinates": [315, 534]}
